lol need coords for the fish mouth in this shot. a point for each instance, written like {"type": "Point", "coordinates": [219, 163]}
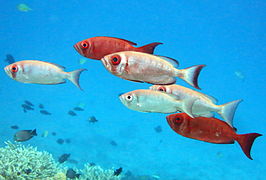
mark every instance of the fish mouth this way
{"type": "Point", "coordinates": [77, 48]}
{"type": "Point", "coordinates": [104, 61]}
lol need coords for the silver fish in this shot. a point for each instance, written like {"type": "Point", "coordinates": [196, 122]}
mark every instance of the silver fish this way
{"type": "Point", "coordinates": [40, 72]}
{"type": "Point", "coordinates": [204, 105]}
{"type": "Point", "coordinates": [143, 67]}
{"type": "Point", "coordinates": [145, 100]}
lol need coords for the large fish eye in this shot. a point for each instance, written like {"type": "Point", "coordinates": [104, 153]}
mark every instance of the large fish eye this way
{"type": "Point", "coordinates": [177, 120]}
{"type": "Point", "coordinates": [14, 68]}
{"type": "Point", "coordinates": [84, 44]}
{"type": "Point", "coordinates": [161, 88]}
{"type": "Point", "coordinates": [115, 59]}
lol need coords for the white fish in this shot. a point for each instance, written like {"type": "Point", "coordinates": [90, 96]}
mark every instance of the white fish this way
{"type": "Point", "coordinates": [40, 72]}
{"type": "Point", "coordinates": [145, 100]}
{"type": "Point", "coordinates": [143, 67]}
{"type": "Point", "coordinates": [204, 105]}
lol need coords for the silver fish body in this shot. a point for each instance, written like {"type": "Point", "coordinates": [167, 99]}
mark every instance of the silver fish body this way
{"type": "Point", "coordinates": [142, 67]}
{"type": "Point", "coordinates": [204, 105]}
{"type": "Point", "coordinates": [40, 72]}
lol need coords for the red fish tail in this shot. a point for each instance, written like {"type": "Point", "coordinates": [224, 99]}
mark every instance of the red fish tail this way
{"type": "Point", "coordinates": [149, 48]}
{"type": "Point", "coordinates": [246, 141]}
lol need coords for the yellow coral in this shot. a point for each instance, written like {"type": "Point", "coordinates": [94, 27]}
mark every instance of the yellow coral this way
{"type": "Point", "coordinates": [60, 176]}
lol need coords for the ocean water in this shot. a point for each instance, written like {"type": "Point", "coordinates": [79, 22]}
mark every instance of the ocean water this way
{"type": "Point", "coordinates": [227, 36]}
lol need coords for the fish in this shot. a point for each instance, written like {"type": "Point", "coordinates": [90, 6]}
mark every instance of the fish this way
{"type": "Point", "coordinates": [45, 112]}
{"type": "Point", "coordinates": [14, 127]}
{"type": "Point", "coordinates": [78, 109]}
{"type": "Point", "coordinates": [72, 113]}
{"type": "Point", "coordinates": [71, 174]}
{"type": "Point", "coordinates": [92, 119]}
{"type": "Point", "coordinates": [146, 100]}
{"type": "Point", "coordinates": [60, 141]}
{"type": "Point", "coordinates": [54, 133]}
{"type": "Point", "coordinates": [27, 107]}
{"type": "Point", "coordinates": [23, 8]}
{"type": "Point", "coordinates": [204, 106]}
{"type": "Point", "coordinates": [10, 59]}
{"type": "Point", "coordinates": [63, 158]}
{"type": "Point", "coordinates": [40, 72]}
{"type": "Point", "coordinates": [28, 103]}
{"type": "Point", "coordinates": [118, 171]}
{"type": "Point", "coordinates": [143, 67]}
{"type": "Point", "coordinates": [210, 130]}
{"type": "Point", "coordinates": [45, 134]}
{"type": "Point", "coordinates": [24, 135]}
{"type": "Point", "coordinates": [98, 47]}
{"type": "Point", "coordinates": [113, 143]}
{"type": "Point", "coordinates": [158, 129]}
{"type": "Point", "coordinates": [41, 106]}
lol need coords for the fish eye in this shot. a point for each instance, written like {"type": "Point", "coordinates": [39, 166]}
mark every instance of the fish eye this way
{"type": "Point", "coordinates": [129, 98]}
{"type": "Point", "coordinates": [161, 88]}
{"type": "Point", "coordinates": [115, 59]}
{"type": "Point", "coordinates": [177, 120]}
{"type": "Point", "coordinates": [14, 68]}
{"type": "Point", "coordinates": [84, 44]}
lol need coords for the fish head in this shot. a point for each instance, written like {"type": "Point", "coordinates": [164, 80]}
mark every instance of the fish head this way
{"type": "Point", "coordinates": [14, 70]}
{"type": "Point", "coordinates": [176, 120]}
{"type": "Point", "coordinates": [115, 63]}
{"type": "Point", "coordinates": [84, 48]}
{"type": "Point", "coordinates": [130, 100]}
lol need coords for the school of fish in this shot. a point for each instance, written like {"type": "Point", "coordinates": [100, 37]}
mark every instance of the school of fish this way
{"type": "Point", "coordinates": [193, 111]}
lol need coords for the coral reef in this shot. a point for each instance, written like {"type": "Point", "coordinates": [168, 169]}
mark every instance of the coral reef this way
{"type": "Point", "coordinates": [19, 162]}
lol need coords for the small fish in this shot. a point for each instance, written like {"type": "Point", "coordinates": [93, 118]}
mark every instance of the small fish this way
{"type": "Point", "coordinates": [142, 67]}
{"type": "Point", "coordinates": [45, 112]}
{"type": "Point", "coordinates": [45, 134]}
{"type": "Point", "coordinates": [41, 106]}
{"type": "Point", "coordinates": [27, 107]}
{"type": "Point", "coordinates": [40, 72]}
{"type": "Point", "coordinates": [204, 105]}
{"type": "Point", "coordinates": [158, 129]}
{"type": "Point", "coordinates": [67, 141]}
{"type": "Point", "coordinates": [28, 103]}
{"type": "Point", "coordinates": [92, 119]}
{"type": "Point", "coordinates": [9, 59]}
{"type": "Point", "coordinates": [24, 135]}
{"type": "Point", "coordinates": [118, 171]}
{"type": "Point", "coordinates": [239, 75]}
{"type": "Point", "coordinates": [78, 109]}
{"type": "Point", "coordinates": [97, 47]}
{"type": "Point", "coordinates": [210, 130]}
{"type": "Point", "coordinates": [145, 100]}
{"type": "Point", "coordinates": [63, 158]}
{"type": "Point", "coordinates": [14, 127]}
{"type": "Point", "coordinates": [72, 113]}
{"type": "Point", "coordinates": [82, 61]}
{"type": "Point", "coordinates": [113, 143]}
{"type": "Point", "coordinates": [23, 8]}
{"type": "Point", "coordinates": [54, 133]}
{"type": "Point", "coordinates": [60, 141]}
{"type": "Point", "coordinates": [71, 174]}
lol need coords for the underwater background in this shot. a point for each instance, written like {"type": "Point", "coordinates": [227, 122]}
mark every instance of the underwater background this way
{"type": "Point", "coordinates": [227, 36]}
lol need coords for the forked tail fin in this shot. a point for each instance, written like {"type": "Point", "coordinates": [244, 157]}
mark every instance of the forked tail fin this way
{"type": "Point", "coordinates": [74, 76]}
{"type": "Point", "coordinates": [246, 141]}
{"type": "Point", "coordinates": [190, 75]}
{"type": "Point", "coordinates": [228, 110]}
{"type": "Point", "coordinates": [149, 48]}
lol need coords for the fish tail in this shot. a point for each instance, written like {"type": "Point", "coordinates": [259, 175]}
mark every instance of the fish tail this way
{"type": "Point", "coordinates": [34, 132]}
{"type": "Point", "coordinates": [228, 110]}
{"type": "Point", "coordinates": [246, 141]}
{"type": "Point", "coordinates": [149, 48]}
{"type": "Point", "coordinates": [190, 75]}
{"type": "Point", "coordinates": [74, 76]}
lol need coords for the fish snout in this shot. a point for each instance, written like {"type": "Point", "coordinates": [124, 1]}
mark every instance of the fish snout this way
{"type": "Point", "coordinates": [120, 94]}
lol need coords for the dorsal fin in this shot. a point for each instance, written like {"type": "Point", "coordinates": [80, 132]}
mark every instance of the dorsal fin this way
{"type": "Point", "coordinates": [130, 42]}
{"type": "Point", "coordinates": [57, 65]}
{"type": "Point", "coordinates": [174, 62]}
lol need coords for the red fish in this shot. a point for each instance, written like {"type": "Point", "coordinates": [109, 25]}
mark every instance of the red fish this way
{"type": "Point", "coordinates": [98, 47]}
{"type": "Point", "coordinates": [210, 130]}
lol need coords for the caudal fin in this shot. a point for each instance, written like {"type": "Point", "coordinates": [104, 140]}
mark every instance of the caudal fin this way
{"type": "Point", "coordinates": [228, 110]}
{"type": "Point", "coordinates": [190, 75]}
{"type": "Point", "coordinates": [34, 132]}
{"type": "Point", "coordinates": [246, 141]}
{"type": "Point", "coordinates": [149, 48]}
{"type": "Point", "coordinates": [74, 76]}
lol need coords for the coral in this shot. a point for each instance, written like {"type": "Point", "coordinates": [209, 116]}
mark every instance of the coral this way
{"type": "Point", "coordinates": [93, 172]}
{"type": "Point", "coordinates": [19, 162]}
{"type": "Point", "coordinates": [60, 176]}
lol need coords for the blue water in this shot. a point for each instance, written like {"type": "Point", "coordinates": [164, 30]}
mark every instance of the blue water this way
{"type": "Point", "coordinates": [227, 36]}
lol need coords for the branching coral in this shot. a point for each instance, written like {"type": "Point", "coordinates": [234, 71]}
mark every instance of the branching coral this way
{"type": "Point", "coordinates": [19, 162]}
